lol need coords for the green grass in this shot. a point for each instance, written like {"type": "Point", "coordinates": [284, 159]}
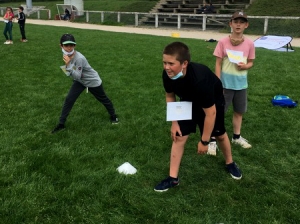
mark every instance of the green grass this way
{"type": "Point", "coordinates": [71, 177]}
{"type": "Point", "coordinates": [281, 27]}
{"type": "Point", "coordinates": [274, 8]}
{"type": "Point", "coordinates": [92, 5]}
{"type": "Point", "coordinates": [275, 26]}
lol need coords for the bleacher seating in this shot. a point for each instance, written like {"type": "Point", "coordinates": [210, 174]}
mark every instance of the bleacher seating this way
{"type": "Point", "coordinates": [190, 7]}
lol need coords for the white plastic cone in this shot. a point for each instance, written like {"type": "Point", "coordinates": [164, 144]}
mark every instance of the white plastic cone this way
{"type": "Point", "coordinates": [126, 168]}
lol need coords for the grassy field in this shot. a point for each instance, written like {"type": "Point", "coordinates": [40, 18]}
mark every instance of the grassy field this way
{"type": "Point", "coordinates": [92, 5]}
{"type": "Point", "coordinates": [71, 177]}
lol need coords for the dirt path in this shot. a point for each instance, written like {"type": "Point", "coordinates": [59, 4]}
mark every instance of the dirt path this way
{"type": "Point", "coordinates": [149, 31]}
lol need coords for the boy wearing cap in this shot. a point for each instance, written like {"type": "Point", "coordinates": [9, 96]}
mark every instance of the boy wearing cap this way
{"type": "Point", "coordinates": [84, 76]}
{"type": "Point", "coordinates": [234, 57]}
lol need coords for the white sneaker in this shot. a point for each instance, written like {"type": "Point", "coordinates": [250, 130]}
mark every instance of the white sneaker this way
{"type": "Point", "coordinates": [7, 42]}
{"type": "Point", "coordinates": [212, 148]}
{"type": "Point", "coordinates": [242, 142]}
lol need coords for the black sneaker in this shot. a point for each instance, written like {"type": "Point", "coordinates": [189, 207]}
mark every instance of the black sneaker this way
{"type": "Point", "coordinates": [166, 184]}
{"type": "Point", "coordinates": [234, 171]}
{"type": "Point", "coordinates": [114, 119]}
{"type": "Point", "coordinates": [58, 128]}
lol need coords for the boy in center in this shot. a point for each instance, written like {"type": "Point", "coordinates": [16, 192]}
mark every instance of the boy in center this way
{"type": "Point", "coordinates": [194, 83]}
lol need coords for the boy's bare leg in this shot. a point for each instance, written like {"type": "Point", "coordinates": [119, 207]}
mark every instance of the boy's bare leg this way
{"type": "Point", "coordinates": [237, 125]}
{"type": "Point", "coordinates": [176, 155]}
{"type": "Point", "coordinates": [237, 122]}
{"type": "Point", "coordinates": [225, 146]}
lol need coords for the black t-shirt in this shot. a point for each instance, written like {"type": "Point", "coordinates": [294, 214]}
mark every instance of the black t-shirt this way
{"type": "Point", "coordinates": [199, 85]}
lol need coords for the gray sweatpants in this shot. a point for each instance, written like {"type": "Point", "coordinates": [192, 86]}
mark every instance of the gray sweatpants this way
{"type": "Point", "coordinates": [76, 89]}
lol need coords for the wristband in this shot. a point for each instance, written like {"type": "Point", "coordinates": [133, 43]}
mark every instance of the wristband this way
{"type": "Point", "coordinates": [204, 142]}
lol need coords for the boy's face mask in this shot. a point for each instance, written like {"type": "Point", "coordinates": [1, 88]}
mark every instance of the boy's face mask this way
{"type": "Point", "coordinates": [180, 74]}
{"type": "Point", "coordinates": [236, 42]}
{"type": "Point", "coordinates": [67, 53]}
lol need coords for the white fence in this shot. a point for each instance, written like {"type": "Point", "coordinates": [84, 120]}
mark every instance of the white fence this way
{"type": "Point", "coordinates": [204, 19]}
{"type": "Point", "coordinates": [40, 13]}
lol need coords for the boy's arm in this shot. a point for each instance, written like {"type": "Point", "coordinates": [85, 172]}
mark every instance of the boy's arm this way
{"type": "Point", "coordinates": [170, 97]}
{"type": "Point", "coordinates": [22, 17]}
{"type": "Point", "coordinates": [218, 67]}
{"type": "Point", "coordinates": [74, 70]}
{"type": "Point", "coordinates": [243, 66]}
{"type": "Point", "coordinates": [209, 122]}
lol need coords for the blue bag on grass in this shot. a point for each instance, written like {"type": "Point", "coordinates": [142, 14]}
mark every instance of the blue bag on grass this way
{"type": "Point", "coordinates": [283, 101]}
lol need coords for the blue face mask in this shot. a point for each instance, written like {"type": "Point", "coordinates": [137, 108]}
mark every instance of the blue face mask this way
{"type": "Point", "coordinates": [180, 74]}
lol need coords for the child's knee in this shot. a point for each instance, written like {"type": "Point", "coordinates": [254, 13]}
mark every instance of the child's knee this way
{"type": "Point", "coordinates": [221, 138]}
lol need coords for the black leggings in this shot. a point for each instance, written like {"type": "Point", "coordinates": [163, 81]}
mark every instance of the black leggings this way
{"type": "Point", "coordinates": [76, 89]}
{"type": "Point", "coordinates": [22, 30]}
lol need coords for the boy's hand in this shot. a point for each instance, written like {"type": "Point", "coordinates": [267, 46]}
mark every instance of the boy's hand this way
{"type": "Point", "coordinates": [67, 59]}
{"type": "Point", "coordinates": [202, 149]}
{"type": "Point", "coordinates": [175, 129]}
{"type": "Point", "coordinates": [241, 66]}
